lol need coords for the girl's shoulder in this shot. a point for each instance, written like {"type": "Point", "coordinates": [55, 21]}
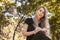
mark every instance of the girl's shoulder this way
{"type": "Point", "coordinates": [29, 21]}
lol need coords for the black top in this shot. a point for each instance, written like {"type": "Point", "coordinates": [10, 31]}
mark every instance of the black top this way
{"type": "Point", "coordinates": [30, 23]}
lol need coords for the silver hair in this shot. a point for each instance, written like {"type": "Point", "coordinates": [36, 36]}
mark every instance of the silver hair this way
{"type": "Point", "coordinates": [47, 25]}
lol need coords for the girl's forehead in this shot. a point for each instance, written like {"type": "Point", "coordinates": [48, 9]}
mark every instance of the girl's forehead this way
{"type": "Point", "coordinates": [41, 8]}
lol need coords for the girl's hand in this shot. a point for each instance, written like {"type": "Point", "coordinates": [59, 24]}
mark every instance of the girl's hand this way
{"type": "Point", "coordinates": [37, 29]}
{"type": "Point", "coordinates": [45, 30]}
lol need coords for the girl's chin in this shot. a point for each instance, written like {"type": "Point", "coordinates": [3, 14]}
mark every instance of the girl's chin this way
{"type": "Point", "coordinates": [39, 18]}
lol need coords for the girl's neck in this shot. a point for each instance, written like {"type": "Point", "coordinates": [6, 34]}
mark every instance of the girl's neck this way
{"type": "Point", "coordinates": [38, 20]}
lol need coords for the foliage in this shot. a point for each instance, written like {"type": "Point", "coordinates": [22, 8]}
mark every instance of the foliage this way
{"type": "Point", "coordinates": [53, 7]}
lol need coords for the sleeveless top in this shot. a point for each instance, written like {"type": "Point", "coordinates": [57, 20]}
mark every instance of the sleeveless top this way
{"type": "Point", "coordinates": [30, 23]}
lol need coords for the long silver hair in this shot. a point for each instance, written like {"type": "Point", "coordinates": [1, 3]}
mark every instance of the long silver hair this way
{"type": "Point", "coordinates": [47, 25]}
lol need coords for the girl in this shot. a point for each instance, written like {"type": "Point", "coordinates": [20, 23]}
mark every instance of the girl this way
{"type": "Point", "coordinates": [37, 28]}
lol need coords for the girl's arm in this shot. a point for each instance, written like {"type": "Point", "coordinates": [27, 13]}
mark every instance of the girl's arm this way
{"type": "Point", "coordinates": [25, 33]}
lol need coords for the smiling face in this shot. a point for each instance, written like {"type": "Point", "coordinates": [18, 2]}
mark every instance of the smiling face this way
{"type": "Point", "coordinates": [40, 13]}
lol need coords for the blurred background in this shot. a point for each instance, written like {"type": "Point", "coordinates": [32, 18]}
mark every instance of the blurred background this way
{"type": "Point", "coordinates": [14, 12]}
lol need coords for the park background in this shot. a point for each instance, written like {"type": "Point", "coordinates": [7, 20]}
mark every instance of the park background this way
{"type": "Point", "coordinates": [11, 23]}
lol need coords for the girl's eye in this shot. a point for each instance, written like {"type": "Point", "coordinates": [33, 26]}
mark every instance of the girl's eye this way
{"type": "Point", "coordinates": [40, 10]}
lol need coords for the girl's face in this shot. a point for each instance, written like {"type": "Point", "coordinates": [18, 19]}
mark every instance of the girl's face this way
{"type": "Point", "coordinates": [40, 13]}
